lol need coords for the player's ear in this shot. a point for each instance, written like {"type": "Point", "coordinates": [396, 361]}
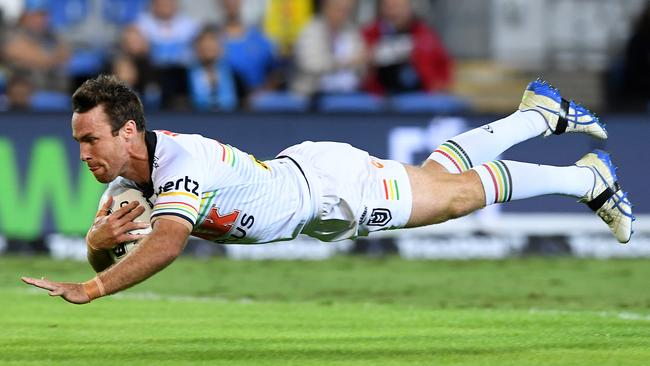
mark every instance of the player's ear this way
{"type": "Point", "coordinates": [129, 130]}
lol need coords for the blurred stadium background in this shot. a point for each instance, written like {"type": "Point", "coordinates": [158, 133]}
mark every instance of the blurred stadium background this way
{"type": "Point", "coordinates": [493, 49]}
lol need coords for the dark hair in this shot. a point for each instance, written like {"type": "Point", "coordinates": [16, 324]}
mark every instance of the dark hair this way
{"type": "Point", "coordinates": [120, 103]}
{"type": "Point", "coordinates": [642, 26]}
{"type": "Point", "coordinates": [207, 30]}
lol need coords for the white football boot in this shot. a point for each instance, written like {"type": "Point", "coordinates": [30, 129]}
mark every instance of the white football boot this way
{"type": "Point", "coordinates": [606, 197]}
{"type": "Point", "coordinates": [561, 115]}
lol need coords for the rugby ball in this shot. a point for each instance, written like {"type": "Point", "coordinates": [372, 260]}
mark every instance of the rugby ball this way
{"type": "Point", "coordinates": [123, 196]}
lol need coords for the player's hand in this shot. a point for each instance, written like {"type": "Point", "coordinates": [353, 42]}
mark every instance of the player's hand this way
{"type": "Point", "coordinates": [109, 230]}
{"type": "Point", "coordinates": [70, 292]}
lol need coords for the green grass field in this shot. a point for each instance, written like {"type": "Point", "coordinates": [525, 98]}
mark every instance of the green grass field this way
{"type": "Point", "coordinates": [346, 311]}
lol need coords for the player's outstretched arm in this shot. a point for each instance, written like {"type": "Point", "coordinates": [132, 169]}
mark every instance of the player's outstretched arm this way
{"type": "Point", "coordinates": [155, 252]}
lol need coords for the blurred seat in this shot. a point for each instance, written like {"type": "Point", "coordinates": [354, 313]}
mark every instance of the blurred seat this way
{"type": "Point", "coordinates": [428, 103]}
{"type": "Point", "coordinates": [66, 13]}
{"type": "Point", "coordinates": [50, 101]}
{"type": "Point", "coordinates": [279, 102]}
{"type": "Point", "coordinates": [351, 103]}
{"type": "Point", "coordinates": [122, 12]}
{"type": "Point", "coordinates": [86, 62]}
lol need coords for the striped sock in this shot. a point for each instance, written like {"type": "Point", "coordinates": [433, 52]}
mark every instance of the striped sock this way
{"type": "Point", "coordinates": [497, 181]}
{"type": "Point", "coordinates": [505, 180]}
{"type": "Point", "coordinates": [452, 157]}
{"type": "Point", "coordinates": [487, 142]}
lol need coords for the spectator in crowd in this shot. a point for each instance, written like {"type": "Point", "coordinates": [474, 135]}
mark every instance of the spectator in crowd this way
{"type": "Point", "coordinates": [330, 53]}
{"type": "Point", "coordinates": [32, 49]}
{"type": "Point", "coordinates": [169, 34]}
{"type": "Point", "coordinates": [635, 93]}
{"type": "Point", "coordinates": [249, 52]}
{"type": "Point", "coordinates": [10, 11]}
{"type": "Point", "coordinates": [284, 20]}
{"type": "Point", "coordinates": [132, 64]}
{"type": "Point", "coordinates": [406, 54]}
{"type": "Point", "coordinates": [212, 85]}
{"type": "Point", "coordinates": [126, 71]}
{"type": "Point", "coordinates": [18, 93]}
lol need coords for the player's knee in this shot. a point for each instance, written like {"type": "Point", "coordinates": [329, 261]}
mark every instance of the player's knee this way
{"type": "Point", "coordinates": [459, 208]}
{"type": "Point", "coordinates": [467, 197]}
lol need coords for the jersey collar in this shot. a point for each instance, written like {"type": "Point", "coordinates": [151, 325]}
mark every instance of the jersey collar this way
{"type": "Point", "coordinates": [150, 139]}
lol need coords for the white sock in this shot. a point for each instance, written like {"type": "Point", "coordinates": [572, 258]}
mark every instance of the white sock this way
{"type": "Point", "coordinates": [487, 142]}
{"type": "Point", "coordinates": [505, 180]}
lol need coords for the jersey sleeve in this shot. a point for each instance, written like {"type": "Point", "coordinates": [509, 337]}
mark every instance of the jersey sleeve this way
{"type": "Point", "coordinates": [178, 183]}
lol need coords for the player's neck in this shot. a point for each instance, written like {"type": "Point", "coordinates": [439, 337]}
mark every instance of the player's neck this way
{"type": "Point", "coordinates": [138, 169]}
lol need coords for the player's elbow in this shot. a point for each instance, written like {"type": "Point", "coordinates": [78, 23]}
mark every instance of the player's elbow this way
{"type": "Point", "coordinates": [171, 252]}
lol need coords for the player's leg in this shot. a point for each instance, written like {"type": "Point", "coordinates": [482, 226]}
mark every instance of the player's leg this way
{"type": "Point", "coordinates": [542, 111]}
{"type": "Point", "coordinates": [440, 196]}
{"type": "Point", "coordinates": [498, 181]}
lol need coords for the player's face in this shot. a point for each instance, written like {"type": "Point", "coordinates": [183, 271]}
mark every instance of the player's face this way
{"type": "Point", "coordinates": [105, 155]}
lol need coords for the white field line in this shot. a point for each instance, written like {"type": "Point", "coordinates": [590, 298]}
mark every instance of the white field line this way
{"type": "Point", "coordinates": [625, 315]}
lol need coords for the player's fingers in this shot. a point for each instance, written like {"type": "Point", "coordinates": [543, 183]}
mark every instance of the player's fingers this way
{"type": "Point", "coordinates": [133, 214]}
{"type": "Point", "coordinates": [125, 209]}
{"type": "Point", "coordinates": [136, 226]}
{"type": "Point", "coordinates": [44, 284]}
{"type": "Point", "coordinates": [135, 237]}
{"type": "Point", "coordinates": [128, 237]}
{"type": "Point", "coordinates": [103, 211]}
{"type": "Point", "coordinates": [56, 292]}
{"type": "Point", "coordinates": [29, 280]}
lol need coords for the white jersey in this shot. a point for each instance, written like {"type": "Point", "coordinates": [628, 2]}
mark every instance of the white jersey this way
{"type": "Point", "coordinates": [226, 195]}
{"type": "Point", "coordinates": [327, 190]}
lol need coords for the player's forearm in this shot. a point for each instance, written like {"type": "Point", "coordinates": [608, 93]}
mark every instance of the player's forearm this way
{"type": "Point", "coordinates": [99, 259]}
{"type": "Point", "coordinates": [150, 256]}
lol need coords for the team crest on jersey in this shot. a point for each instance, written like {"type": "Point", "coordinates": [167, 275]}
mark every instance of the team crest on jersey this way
{"type": "Point", "coordinates": [216, 225]}
{"type": "Point", "coordinates": [223, 228]}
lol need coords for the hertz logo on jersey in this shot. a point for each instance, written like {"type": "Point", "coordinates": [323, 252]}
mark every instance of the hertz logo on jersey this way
{"type": "Point", "coordinates": [187, 184]}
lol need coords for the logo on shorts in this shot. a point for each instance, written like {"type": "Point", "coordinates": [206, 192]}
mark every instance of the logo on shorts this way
{"type": "Point", "coordinates": [363, 215]}
{"type": "Point", "coordinates": [379, 217]}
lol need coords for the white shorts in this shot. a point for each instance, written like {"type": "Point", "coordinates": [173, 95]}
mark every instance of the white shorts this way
{"type": "Point", "coordinates": [352, 192]}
